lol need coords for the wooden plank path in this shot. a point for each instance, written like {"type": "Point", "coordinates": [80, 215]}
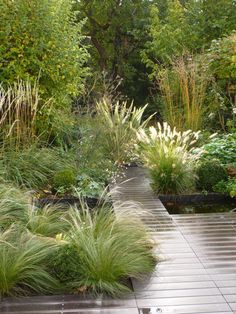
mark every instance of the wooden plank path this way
{"type": "Point", "coordinates": [196, 274]}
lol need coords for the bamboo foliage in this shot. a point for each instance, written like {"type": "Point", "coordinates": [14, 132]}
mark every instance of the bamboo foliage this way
{"type": "Point", "coordinates": [184, 90]}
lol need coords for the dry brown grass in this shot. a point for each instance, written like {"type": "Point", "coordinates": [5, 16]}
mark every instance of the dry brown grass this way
{"type": "Point", "coordinates": [183, 90]}
{"type": "Point", "coordinates": [19, 109]}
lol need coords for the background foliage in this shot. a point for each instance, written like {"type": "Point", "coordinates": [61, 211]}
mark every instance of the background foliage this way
{"type": "Point", "coordinates": [40, 39]}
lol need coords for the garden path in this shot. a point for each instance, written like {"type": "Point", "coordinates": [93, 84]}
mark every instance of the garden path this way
{"type": "Point", "coordinates": [197, 272]}
{"type": "Point", "coordinates": [198, 269]}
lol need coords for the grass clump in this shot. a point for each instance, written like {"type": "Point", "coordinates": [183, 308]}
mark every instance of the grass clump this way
{"type": "Point", "coordinates": [47, 221]}
{"type": "Point", "coordinates": [22, 263]}
{"type": "Point", "coordinates": [83, 250]}
{"type": "Point", "coordinates": [119, 124]}
{"type": "Point", "coordinates": [184, 91]}
{"type": "Point", "coordinates": [165, 153]}
{"type": "Point", "coordinates": [16, 206]}
{"type": "Point", "coordinates": [32, 167]}
{"type": "Point", "coordinates": [13, 204]}
{"type": "Point", "coordinates": [106, 249]}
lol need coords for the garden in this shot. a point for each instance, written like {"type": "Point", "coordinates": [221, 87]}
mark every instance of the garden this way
{"type": "Point", "coordinates": [87, 91]}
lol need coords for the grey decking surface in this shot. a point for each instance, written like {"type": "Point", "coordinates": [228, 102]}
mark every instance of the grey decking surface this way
{"type": "Point", "coordinates": [197, 273]}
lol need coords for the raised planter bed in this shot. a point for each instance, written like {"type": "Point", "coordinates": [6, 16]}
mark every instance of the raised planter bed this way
{"type": "Point", "coordinates": [67, 201]}
{"type": "Point", "coordinates": [195, 198]}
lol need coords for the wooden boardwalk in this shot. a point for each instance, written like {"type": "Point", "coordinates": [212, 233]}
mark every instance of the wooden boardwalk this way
{"type": "Point", "coordinates": [197, 272]}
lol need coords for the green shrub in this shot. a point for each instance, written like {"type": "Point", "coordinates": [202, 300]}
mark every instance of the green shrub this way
{"type": "Point", "coordinates": [94, 165]}
{"type": "Point", "coordinates": [40, 39]}
{"type": "Point", "coordinates": [209, 173]}
{"type": "Point", "coordinates": [232, 188]}
{"type": "Point", "coordinates": [23, 263]}
{"type": "Point", "coordinates": [64, 179]}
{"type": "Point", "coordinates": [222, 58]}
{"type": "Point", "coordinates": [65, 264]}
{"type": "Point", "coordinates": [226, 187]}
{"type": "Point", "coordinates": [165, 153]}
{"type": "Point", "coordinates": [106, 249]}
{"type": "Point", "coordinates": [88, 187]}
{"type": "Point", "coordinates": [222, 148]}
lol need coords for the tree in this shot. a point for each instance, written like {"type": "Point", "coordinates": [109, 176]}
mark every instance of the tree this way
{"type": "Point", "coordinates": [209, 20]}
{"type": "Point", "coordinates": [39, 39]}
{"type": "Point", "coordinates": [188, 25]}
{"type": "Point", "coordinates": [219, 18]}
{"type": "Point", "coordinates": [222, 62]}
{"type": "Point", "coordinates": [117, 32]}
{"type": "Point", "coordinates": [168, 35]}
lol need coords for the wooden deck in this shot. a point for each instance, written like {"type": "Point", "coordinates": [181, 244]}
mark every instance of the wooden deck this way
{"type": "Point", "coordinates": [197, 272]}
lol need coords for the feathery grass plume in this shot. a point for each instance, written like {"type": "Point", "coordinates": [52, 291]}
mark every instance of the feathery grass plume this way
{"type": "Point", "coordinates": [22, 263]}
{"type": "Point", "coordinates": [27, 119]}
{"type": "Point", "coordinates": [108, 249]}
{"type": "Point", "coordinates": [184, 91]}
{"type": "Point", "coordinates": [165, 151]}
{"type": "Point", "coordinates": [19, 111]}
{"type": "Point", "coordinates": [120, 123]}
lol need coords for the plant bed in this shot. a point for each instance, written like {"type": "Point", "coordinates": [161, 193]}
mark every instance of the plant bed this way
{"type": "Point", "coordinates": [195, 198]}
{"type": "Point", "coordinates": [68, 200]}
{"type": "Point", "coordinates": [131, 164]}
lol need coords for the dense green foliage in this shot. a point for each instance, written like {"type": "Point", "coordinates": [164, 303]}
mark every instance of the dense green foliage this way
{"type": "Point", "coordinates": [188, 26]}
{"type": "Point", "coordinates": [40, 39]}
{"type": "Point", "coordinates": [209, 173]}
{"type": "Point", "coordinates": [222, 63]}
{"type": "Point", "coordinates": [116, 32]}
{"type": "Point", "coordinates": [223, 57]}
{"type": "Point", "coordinates": [125, 34]}
{"type": "Point", "coordinates": [226, 187]}
{"type": "Point", "coordinates": [64, 179]}
{"type": "Point", "coordinates": [222, 148]}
